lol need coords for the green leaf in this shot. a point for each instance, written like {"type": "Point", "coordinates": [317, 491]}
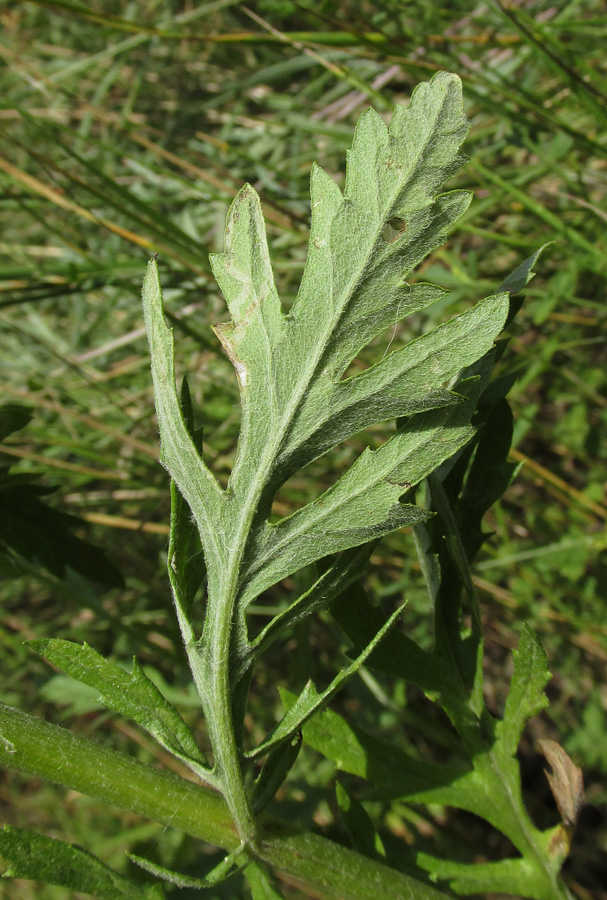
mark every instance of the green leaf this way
{"type": "Point", "coordinates": [45, 859]}
{"type": "Point", "coordinates": [295, 404]}
{"type": "Point", "coordinates": [130, 693]}
{"type": "Point", "coordinates": [526, 697]}
{"type": "Point", "coordinates": [508, 876]}
{"type": "Point", "coordinates": [310, 701]}
{"type": "Point", "coordinates": [358, 824]}
{"type": "Point", "coordinates": [261, 884]}
{"type": "Point", "coordinates": [393, 773]}
{"type": "Point", "coordinates": [297, 401]}
{"type": "Point", "coordinates": [350, 566]}
{"type": "Point", "coordinates": [186, 562]}
{"type": "Point", "coordinates": [34, 530]}
{"type": "Point", "coordinates": [274, 771]}
{"type": "Point", "coordinates": [520, 277]}
{"type": "Point", "coordinates": [13, 417]}
{"type": "Point", "coordinates": [397, 655]}
{"type": "Point", "coordinates": [228, 866]}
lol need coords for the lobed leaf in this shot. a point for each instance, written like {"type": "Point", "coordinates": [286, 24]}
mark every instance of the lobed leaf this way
{"type": "Point", "coordinates": [295, 402]}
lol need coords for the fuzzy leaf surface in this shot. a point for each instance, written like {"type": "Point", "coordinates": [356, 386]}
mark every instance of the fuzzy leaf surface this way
{"type": "Point", "coordinates": [42, 858]}
{"type": "Point", "coordinates": [296, 403]}
{"type": "Point", "coordinates": [130, 693]}
{"type": "Point", "coordinates": [526, 697]}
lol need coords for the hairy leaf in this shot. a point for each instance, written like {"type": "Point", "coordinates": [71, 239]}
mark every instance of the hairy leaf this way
{"type": "Point", "coordinates": [295, 402]}
{"type": "Point", "coordinates": [261, 883]}
{"type": "Point", "coordinates": [130, 693]}
{"type": "Point", "coordinates": [298, 400]}
{"type": "Point", "coordinates": [46, 859]}
{"type": "Point", "coordinates": [526, 697]}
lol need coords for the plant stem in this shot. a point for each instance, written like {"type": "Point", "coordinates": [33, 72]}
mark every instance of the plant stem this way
{"type": "Point", "coordinates": [38, 748]}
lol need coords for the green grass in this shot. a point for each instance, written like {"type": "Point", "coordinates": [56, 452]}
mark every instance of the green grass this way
{"type": "Point", "coordinates": [127, 133]}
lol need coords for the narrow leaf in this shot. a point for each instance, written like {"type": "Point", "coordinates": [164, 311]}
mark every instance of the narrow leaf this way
{"type": "Point", "coordinates": [227, 867]}
{"type": "Point", "coordinates": [350, 566]}
{"type": "Point", "coordinates": [279, 763]}
{"type": "Point", "coordinates": [261, 884]}
{"type": "Point", "coordinates": [520, 277]}
{"type": "Point", "coordinates": [526, 697]}
{"type": "Point", "coordinates": [310, 701]}
{"type": "Point", "coordinates": [130, 693]}
{"type": "Point", "coordinates": [358, 824]}
{"type": "Point", "coordinates": [178, 451]}
{"type": "Point", "coordinates": [46, 859]}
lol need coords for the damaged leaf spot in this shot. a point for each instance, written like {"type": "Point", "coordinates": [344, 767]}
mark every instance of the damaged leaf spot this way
{"type": "Point", "coordinates": [393, 229]}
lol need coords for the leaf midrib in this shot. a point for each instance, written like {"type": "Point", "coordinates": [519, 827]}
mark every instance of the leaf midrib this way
{"type": "Point", "coordinates": [266, 464]}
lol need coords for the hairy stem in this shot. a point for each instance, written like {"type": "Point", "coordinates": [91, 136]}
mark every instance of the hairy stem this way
{"type": "Point", "coordinates": [315, 863]}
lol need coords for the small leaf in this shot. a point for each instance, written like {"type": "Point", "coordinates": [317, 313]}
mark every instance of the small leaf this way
{"type": "Point", "coordinates": [566, 781]}
{"type": "Point", "coordinates": [397, 655]}
{"type": "Point", "coordinates": [526, 697]}
{"type": "Point", "coordinates": [13, 417]}
{"type": "Point", "coordinates": [261, 884]}
{"type": "Point", "coordinates": [348, 567]}
{"type": "Point", "coordinates": [45, 859]}
{"type": "Point", "coordinates": [274, 771]}
{"type": "Point", "coordinates": [228, 866]}
{"type": "Point", "coordinates": [130, 693]}
{"type": "Point", "coordinates": [520, 277]}
{"type": "Point", "coordinates": [359, 825]}
{"type": "Point", "coordinates": [310, 701]}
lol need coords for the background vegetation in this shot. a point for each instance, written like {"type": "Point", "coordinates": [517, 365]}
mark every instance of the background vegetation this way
{"type": "Point", "coordinates": [127, 130]}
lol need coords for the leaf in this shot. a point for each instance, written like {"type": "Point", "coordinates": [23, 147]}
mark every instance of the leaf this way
{"type": "Point", "coordinates": [13, 417]}
{"type": "Point", "coordinates": [185, 561]}
{"type": "Point", "coordinates": [228, 866]}
{"type": "Point", "coordinates": [397, 655]}
{"type": "Point", "coordinates": [261, 884]}
{"type": "Point", "coordinates": [526, 697]}
{"type": "Point", "coordinates": [295, 403]}
{"type": "Point", "coordinates": [46, 859]}
{"type": "Point", "coordinates": [298, 401]}
{"type": "Point", "coordinates": [36, 531]}
{"type": "Point", "coordinates": [358, 823]}
{"type": "Point", "coordinates": [489, 475]}
{"type": "Point", "coordinates": [391, 771]}
{"type": "Point", "coordinates": [274, 771]}
{"type": "Point", "coordinates": [520, 277]}
{"type": "Point", "coordinates": [310, 701]}
{"type": "Point", "coordinates": [130, 693]}
{"type": "Point", "coordinates": [508, 876]}
{"type": "Point", "coordinates": [350, 566]}
{"type": "Point", "coordinates": [566, 781]}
